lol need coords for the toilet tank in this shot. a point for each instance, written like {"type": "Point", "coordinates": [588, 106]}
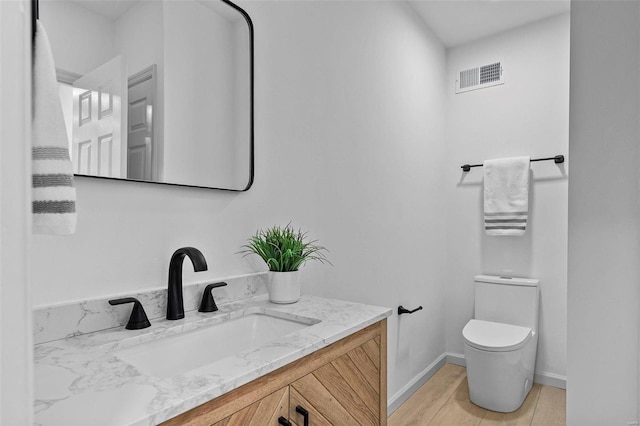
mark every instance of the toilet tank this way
{"type": "Point", "coordinates": [507, 300]}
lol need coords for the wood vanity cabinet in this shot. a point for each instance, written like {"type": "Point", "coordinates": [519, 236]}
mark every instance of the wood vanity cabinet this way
{"type": "Point", "coordinates": [267, 411]}
{"type": "Point", "coordinates": [342, 384]}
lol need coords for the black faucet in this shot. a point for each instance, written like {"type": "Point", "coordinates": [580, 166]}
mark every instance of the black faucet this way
{"type": "Point", "coordinates": [138, 319]}
{"type": "Point", "coordinates": [208, 304]}
{"type": "Point", "coordinates": [175, 305]}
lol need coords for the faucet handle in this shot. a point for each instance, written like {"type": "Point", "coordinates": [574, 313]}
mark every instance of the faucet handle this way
{"type": "Point", "coordinates": [208, 304]}
{"type": "Point", "coordinates": [138, 318]}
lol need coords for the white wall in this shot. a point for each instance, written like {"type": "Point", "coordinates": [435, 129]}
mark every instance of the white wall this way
{"type": "Point", "coordinates": [139, 37]}
{"type": "Point", "coordinates": [80, 39]}
{"type": "Point", "coordinates": [528, 115]}
{"type": "Point", "coordinates": [603, 268]}
{"type": "Point", "coordinates": [16, 344]}
{"type": "Point", "coordinates": [360, 107]}
{"type": "Point", "coordinates": [349, 146]}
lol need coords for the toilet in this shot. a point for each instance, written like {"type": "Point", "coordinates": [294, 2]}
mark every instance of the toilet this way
{"type": "Point", "coordinates": [500, 342]}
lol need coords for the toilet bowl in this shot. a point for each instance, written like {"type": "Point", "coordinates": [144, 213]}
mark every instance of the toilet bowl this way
{"type": "Point", "coordinates": [500, 343]}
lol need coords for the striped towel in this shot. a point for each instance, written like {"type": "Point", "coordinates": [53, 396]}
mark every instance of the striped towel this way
{"type": "Point", "coordinates": [506, 195]}
{"type": "Point", "coordinates": [54, 195]}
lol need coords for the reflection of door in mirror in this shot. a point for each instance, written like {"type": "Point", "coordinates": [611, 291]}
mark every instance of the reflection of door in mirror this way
{"type": "Point", "coordinates": [98, 140]}
{"type": "Point", "coordinates": [143, 156]}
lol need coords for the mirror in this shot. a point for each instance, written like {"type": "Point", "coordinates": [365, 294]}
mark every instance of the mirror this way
{"type": "Point", "coordinates": [156, 90]}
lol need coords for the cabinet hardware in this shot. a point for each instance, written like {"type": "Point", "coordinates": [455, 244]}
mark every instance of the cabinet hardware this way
{"type": "Point", "coordinates": [284, 422]}
{"type": "Point", "coordinates": [305, 414]}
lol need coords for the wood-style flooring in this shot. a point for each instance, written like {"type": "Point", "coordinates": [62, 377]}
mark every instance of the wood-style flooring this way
{"type": "Point", "coordinates": [444, 400]}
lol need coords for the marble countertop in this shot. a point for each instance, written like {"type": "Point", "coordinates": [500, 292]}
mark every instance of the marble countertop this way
{"type": "Point", "coordinates": [80, 381]}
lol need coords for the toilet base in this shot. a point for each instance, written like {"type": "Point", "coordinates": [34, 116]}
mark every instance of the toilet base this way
{"type": "Point", "coordinates": [500, 381]}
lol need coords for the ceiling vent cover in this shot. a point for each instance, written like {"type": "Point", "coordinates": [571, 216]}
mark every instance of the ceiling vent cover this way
{"type": "Point", "coordinates": [479, 77]}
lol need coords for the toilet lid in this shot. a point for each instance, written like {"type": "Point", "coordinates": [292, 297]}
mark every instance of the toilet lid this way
{"type": "Point", "coordinates": [495, 336]}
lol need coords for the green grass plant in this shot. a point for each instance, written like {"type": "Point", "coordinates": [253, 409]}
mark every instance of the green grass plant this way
{"type": "Point", "coordinates": [284, 249]}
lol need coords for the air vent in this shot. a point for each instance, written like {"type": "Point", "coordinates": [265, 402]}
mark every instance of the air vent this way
{"type": "Point", "coordinates": [479, 77]}
{"type": "Point", "coordinates": [469, 78]}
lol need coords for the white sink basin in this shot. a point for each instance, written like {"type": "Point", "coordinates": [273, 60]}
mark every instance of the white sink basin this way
{"type": "Point", "coordinates": [180, 353]}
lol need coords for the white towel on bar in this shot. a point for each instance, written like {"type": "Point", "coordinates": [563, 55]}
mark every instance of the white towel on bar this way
{"type": "Point", "coordinates": [506, 195]}
{"type": "Point", "coordinates": [54, 195]}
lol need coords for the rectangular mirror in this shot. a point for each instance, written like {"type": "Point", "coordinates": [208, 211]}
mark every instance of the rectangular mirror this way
{"type": "Point", "coordinates": [156, 90]}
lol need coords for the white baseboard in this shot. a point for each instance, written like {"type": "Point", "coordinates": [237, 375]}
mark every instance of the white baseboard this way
{"type": "Point", "coordinates": [542, 377]}
{"type": "Point", "coordinates": [456, 359]}
{"type": "Point", "coordinates": [551, 379]}
{"type": "Point", "coordinates": [414, 384]}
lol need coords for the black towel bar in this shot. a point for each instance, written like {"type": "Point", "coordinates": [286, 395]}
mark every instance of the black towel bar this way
{"type": "Point", "coordinates": [557, 159]}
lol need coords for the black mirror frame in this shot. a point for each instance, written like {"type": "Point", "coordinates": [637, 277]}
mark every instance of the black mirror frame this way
{"type": "Point", "coordinates": [35, 14]}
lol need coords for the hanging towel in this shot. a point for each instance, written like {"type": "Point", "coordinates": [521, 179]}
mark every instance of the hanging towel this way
{"type": "Point", "coordinates": [53, 192]}
{"type": "Point", "coordinates": [506, 195]}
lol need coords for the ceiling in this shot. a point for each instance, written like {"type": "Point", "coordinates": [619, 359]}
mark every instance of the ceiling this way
{"type": "Point", "coordinates": [457, 22]}
{"type": "Point", "coordinates": [111, 9]}
{"type": "Point", "coordinates": [114, 9]}
{"type": "Point", "coordinates": [454, 22]}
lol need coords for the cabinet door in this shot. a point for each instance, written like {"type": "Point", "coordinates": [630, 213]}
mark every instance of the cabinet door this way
{"type": "Point", "coordinates": [345, 391]}
{"type": "Point", "coordinates": [261, 413]}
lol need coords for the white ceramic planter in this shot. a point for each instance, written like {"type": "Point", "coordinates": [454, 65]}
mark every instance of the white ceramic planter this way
{"type": "Point", "coordinates": [284, 287]}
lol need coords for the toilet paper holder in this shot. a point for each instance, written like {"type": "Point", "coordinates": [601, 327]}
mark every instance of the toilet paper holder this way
{"type": "Point", "coordinates": [403, 310]}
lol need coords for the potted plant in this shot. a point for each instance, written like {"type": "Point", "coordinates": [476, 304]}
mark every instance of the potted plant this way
{"type": "Point", "coordinates": [284, 250]}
